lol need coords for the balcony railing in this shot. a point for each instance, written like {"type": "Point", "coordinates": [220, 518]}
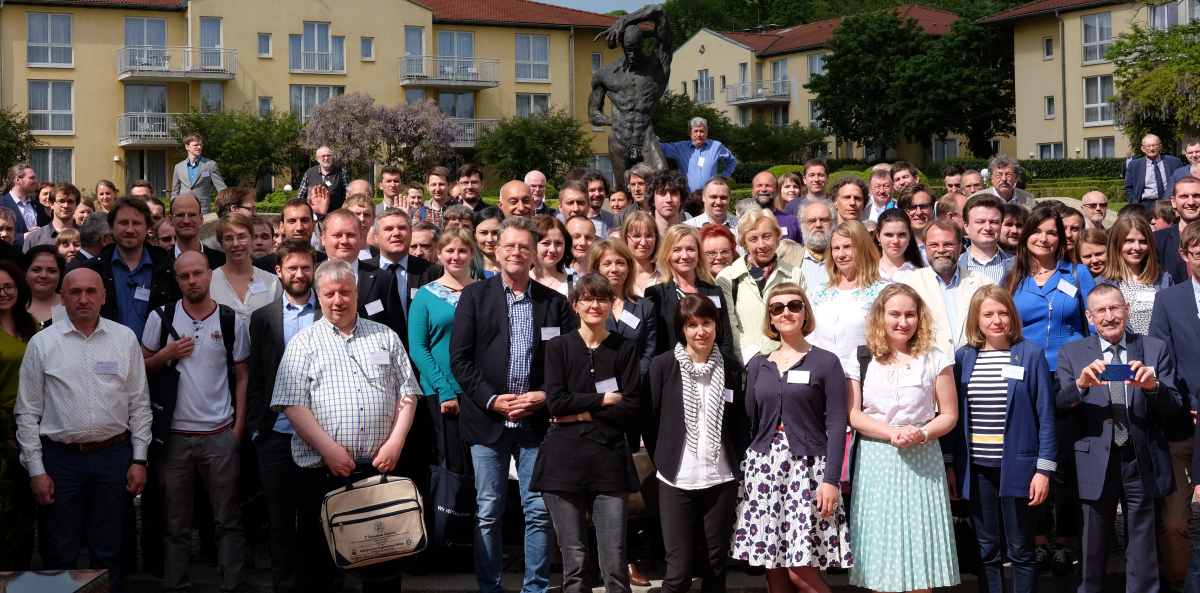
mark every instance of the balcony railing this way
{"type": "Point", "coordinates": [762, 91]}
{"type": "Point", "coordinates": [467, 73]}
{"type": "Point", "coordinates": [471, 129]}
{"type": "Point", "coordinates": [146, 128]}
{"type": "Point", "coordinates": [157, 62]}
{"type": "Point", "coordinates": [704, 95]}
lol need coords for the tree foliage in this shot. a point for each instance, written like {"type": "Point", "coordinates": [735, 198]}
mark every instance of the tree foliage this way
{"type": "Point", "coordinates": [1157, 81]}
{"type": "Point", "coordinates": [673, 112]}
{"type": "Point", "coordinates": [16, 139]}
{"type": "Point", "coordinates": [551, 142]}
{"type": "Point", "coordinates": [759, 141]}
{"type": "Point", "coordinates": [245, 145]}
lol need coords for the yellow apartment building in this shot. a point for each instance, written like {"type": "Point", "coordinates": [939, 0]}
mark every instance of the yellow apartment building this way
{"type": "Point", "coordinates": [762, 73]}
{"type": "Point", "coordinates": [480, 61]}
{"type": "Point", "coordinates": [1063, 82]}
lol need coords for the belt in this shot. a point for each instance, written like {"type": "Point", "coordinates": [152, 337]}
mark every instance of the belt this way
{"type": "Point", "coordinates": [96, 446]}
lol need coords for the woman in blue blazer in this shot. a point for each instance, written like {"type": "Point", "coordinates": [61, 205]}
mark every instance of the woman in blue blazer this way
{"type": "Point", "coordinates": [1004, 447]}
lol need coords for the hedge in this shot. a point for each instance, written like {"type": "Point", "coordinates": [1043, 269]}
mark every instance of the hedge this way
{"type": "Point", "coordinates": [1042, 168]}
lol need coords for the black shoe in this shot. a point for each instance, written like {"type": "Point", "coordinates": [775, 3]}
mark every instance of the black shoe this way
{"type": "Point", "coordinates": [836, 570]}
{"type": "Point", "coordinates": [1041, 562]}
{"type": "Point", "coordinates": [1064, 561]}
{"type": "Point", "coordinates": [755, 571]}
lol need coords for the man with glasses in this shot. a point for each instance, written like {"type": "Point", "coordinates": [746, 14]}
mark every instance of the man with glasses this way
{"type": "Point", "coordinates": [1192, 152]}
{"type": "Point", "coordinates": [1149, 178]}
{"type": "Point", "coordinates": [325, 179]}
{"type": "Point", "coordinates": [716, 207]}
{"type": "Point", "coordinates": [972, 181]}
{"type": "Point", "coordinates": [1185, 199]}
{"type": "Point", "coordinates": [470, 186]}
{"type": "Point", "coordinates": [1005, 172]}
{"type": "Point", "coordinates": [62, 212]}
{"type": "Point", "coordinates": [497, 354]}
{"type": "Point", "coordinates": [187, 220]}
{"type": "Point", "coordinates": [816, 219]}
{"type": "Point", "coordinates": [536, 180]}
{"type": "Point", "coordinates": [945, 286]}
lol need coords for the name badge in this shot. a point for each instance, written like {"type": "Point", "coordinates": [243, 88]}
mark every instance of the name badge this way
{"type": "Point", "coordinates": [328, 183]}
{"type": "Point", "coordinates": [786, 230]}
{"type": "Point", "coordinates": [629, 319]}
{"type": "Point", "coordinates": [1009, 371]}
{"type": "Point", "coordinates": [798, 377]}
{"type": "Point", "coordinates": [107, 368]}
{"type": "Point", "coordinates": [380, 358]}
{"type": "Point", "coordinates": [910, 381]}
{"type": "Point", "coordinates": [141, 294]}
{"type": "Point", "coordinates": [550, 332]}
{"type": "Point", "coordinates": [729, 395]}
{"type": "Point", "coordinates": [700, 162]}
{"type": "Point", "coordinates": [606, 385]}
{"type": "Point", "coordinates": [1067, 288]}
{"type": "Point", "coordinates": [1144, 297]}
{"type": "Point", "coordinates": [58, 313]}
{"type": "Point", "coordinates": [412, 293]}
{"type": "Point", "coordinates": [205, 174]}
{"type": "Point", "coordinates": [716, 300]}
{"type": "Point", "coordinates": [257, 288]}
{"type": "Point", "coordinates": [374, 307]}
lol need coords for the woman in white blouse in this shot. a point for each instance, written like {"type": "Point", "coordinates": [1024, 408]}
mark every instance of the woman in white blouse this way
{"type": "Point", "coordinates": [640, 233]}
{"type": "Point", "coordinates": [901, 256]}
{"type": "Point", "coordinates": [841, 306]}
{"type": "Point", "coordinates": [238, 284]}
{"type": "Point", "coordinates": [901, 533]}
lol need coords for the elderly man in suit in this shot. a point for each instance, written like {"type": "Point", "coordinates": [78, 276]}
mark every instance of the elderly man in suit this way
{"type": "Point", "coordinates": [196, 175]}
{"type": "Point", "coordinates": [946, 286]}
{"type": "Point", "coordinates": [1118, 429]}
{"type": "Point", "coordinates": [1149, 178]}
{"type": "Point", "coordinates": [1005, 174]}
{"type": "Point", "coordinates": [497, 353]}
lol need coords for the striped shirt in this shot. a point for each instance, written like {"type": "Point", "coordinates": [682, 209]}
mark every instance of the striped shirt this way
{"type": "Point", "coordinates": [994, 268]}
{"type": "Point", "coordinates": [813, 269]}
{"type": "Point", "coordinates": [987, 407]}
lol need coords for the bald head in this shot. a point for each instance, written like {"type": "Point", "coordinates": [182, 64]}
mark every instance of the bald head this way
{"type": "Point", "coordinates": [82, 296]}
{"type": "Point", "coordinates": [536, 181]}
{"type": "Point", "coordinates": [359, 186]}
{"type": "Point", "coordinates": [516, 199]}
{"type": "Point", "coordinates": [81, 277]}
{"type": "Point", "coordinates": [1151, 146]}
{"type": "Point", "coordinates": [190, 259]}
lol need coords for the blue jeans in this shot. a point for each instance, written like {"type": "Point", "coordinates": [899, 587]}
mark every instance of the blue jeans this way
{"type": "Point", "coordinates": [1193, 575]}
{"type": "Point", "coordinates": [993, 513]}
{"type": "Point", "coordinates": [491, 486]}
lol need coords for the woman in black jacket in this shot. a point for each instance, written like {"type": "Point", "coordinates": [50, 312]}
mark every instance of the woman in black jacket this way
{"type": "Point", "coordinates": [584, 464]}
{"type": "Point", "coordinates": [696, 437]}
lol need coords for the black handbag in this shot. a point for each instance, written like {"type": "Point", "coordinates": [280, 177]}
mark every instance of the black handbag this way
{"type": "Point", "coordinates": [450, 511]}
{"type": "Point", "coordinates": [164, 385]}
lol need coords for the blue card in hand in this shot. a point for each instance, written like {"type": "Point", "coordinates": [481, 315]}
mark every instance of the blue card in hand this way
{"type": "Point", "coordinates": [1117, 372]}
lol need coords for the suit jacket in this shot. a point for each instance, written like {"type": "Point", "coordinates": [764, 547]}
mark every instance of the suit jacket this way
{"type": "Point", "coordinates": [13, 253]}
{"type": "Point", "coordinates": [1024, 199]}
{"type": "Point", "coordinates": [43, 218]}
{"type": "Point", "coordinates": [1135, 177]}
{"type": "Point", "coordinates": [1174, 321]}
{"type": "Point", "coordinates": [414, 274]}
{"type": "Point", "coordinates": [1184, 170]}
{"type": "Point", "coordinates": [666, 298]}
{"type": "Point", "coordinates": [1029, 422]}
{"type": "Point", "coordinates": [375, 285]}
{"type": "Point", "coordinates": [267, 262]}
{"type": "Point", "coordinates": [207, 177]}
{"type": "Point", "coordinates": [480, 348]}
{"type": "Point", "coordinates": [1166, 247]}
{"type": "Point", "coordinates": [927, 284]}
{"type": "Point", "coordinates": [216, 257]}
{"type": "Point", "coordinates": [163, 286]}
{"type": "Point", "coordinates": [266, 337]}
{"type": "Point", "coordinates": [1091, 413]}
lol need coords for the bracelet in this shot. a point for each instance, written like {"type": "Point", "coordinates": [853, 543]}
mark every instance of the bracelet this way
{"type": "Point", "coordinates": [924, 432]}
{"type": "Point", "coordinates": [141, 462]}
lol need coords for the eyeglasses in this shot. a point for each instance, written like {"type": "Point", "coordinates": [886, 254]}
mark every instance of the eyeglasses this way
{"type": "Point", "coordinates": [523, 249]}
{"type": "Point", "coordinates": [1095, 206]}
{"type": "Point", "coordinates": [915, 207]}
{"type": "Point", "coordinates": [592, 301]}
{"type": "Point", "coordinates": [8, 289]}
{"type": "Point", "coordinates": [1107, 312]}
{"type": "Point", "coordinates": [795, 306]}
{"type": "Point", "coordinates": [815, 221]}
{"type": "Point", "coordinates": [1004, 175]}
{"type": "Point", "coordinates": [718, 253]}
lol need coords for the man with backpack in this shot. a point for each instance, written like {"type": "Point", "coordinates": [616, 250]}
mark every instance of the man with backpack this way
{"type": "Point", "coordinates": [201, 349]}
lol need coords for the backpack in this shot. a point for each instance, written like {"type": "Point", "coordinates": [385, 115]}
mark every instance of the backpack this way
{"type": "Point", "coordinates": [164, 387]}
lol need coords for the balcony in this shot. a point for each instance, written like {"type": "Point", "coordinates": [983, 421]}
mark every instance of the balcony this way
{"type": "Point", "coordinates": [704, 96]}
{"type": "Point", "coordinates": [146, 129]}
{"type": "Point", "coordinates": [471, 128]}
{"type": "Point", "coordinates": [148, 63]}
{"type": "Point", "coordinates": [774, 92]}
{"type": "Point", "coordinates": [468, 74]}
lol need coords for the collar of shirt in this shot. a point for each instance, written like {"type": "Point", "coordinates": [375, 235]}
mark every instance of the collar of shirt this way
{"type": "Point", "coordinates": [814, 256]}
{"type": "Point", "coordinates": [145, 261]}
{"type": "Point", "coordinates": [337, 332]}
{"type": "Point", "coordinates": [998, 257]}
{"type": "Point", "coordinates": [311, 304]}
{"type": "Point", "coordinates": [509, 289]}
{"type": "Point", "coordinates": [954, 280]}
{"type": "Point", "coordinates": [179, 253]}
{"type": "Point", "coordinates": [385, 263]}
{"type": "Point", "coordinates": [354, 264]}
{"type": "Point", "coordinates": [1105, 344]}
{"type": "Point", "coordinates": [66, 326]}
{"type": "Point", "coordinates": [193, 163]}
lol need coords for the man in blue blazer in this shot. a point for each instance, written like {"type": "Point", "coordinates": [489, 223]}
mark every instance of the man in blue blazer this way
{"type": "Point", "coordinates": [1121, 451]}
{"type": "Point", "coordinates": [1149, 183]}
{"type": "Point", "coordinates": [1185, 199]}
{"type": "Point", "coordinates": [1175, 322]}
{"type": "Point", "coordinates": [23, 201]}
{"type": "Point", "coordinates": [497, 355]}
{"type": "Point", "coordinates": [1192, 152]}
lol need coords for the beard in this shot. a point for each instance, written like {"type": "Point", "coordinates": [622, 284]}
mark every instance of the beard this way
{"type": "Point", "coordinates": [815, 239]}
{"type": "Point", "coordinates": [290, 288]}
{"type": "Point", "coordinates": [942, 264]}
{"type": "Point", "coordinates": [765, 199]}
{"type": "Point", "coordinates": [196, 298]}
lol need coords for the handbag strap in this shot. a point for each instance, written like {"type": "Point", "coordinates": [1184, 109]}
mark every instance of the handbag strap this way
{"type": "Point", "coordinates": [166, 318]}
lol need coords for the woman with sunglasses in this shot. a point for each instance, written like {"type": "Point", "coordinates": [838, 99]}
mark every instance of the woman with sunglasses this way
{"type": "Point", "coordinates": [796, 402]}
{"type": "Point", "coordinates": [917, 201]}
{"type": "Point", "coordinates": [842, 305]}
{"type": "Point", "coordinates": [900, 255]}
{"type": "Point", "coordinates": [1133, 267]}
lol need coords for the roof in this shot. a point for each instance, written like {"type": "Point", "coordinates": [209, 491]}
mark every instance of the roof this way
{"type": "Point", "coordinates": [142, 4]}
{"type": "Point", "coordinates": [514, 12]}
{"type": "Point", "coordinates": [813, 35]}
{"type": "Point", "coordinates": [1043, 7]}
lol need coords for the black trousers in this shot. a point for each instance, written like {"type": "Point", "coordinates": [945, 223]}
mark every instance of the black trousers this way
{"type": "Point", "coordinates": [280, 476]}
{"type": "Point", "coordinates": [696, 518]}
{"type": "Point", "coordinates": [1122, 482]}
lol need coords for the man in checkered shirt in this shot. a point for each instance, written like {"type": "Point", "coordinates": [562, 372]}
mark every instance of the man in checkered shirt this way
{"type": "Point", "coordinates": [347, 387]}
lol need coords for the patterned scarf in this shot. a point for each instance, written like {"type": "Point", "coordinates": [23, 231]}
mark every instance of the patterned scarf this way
{"type": "Point", "coordinates": [692, 402]}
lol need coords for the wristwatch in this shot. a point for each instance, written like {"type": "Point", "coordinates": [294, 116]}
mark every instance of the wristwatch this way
{"type": "Point", "coordinates": [141, 462]}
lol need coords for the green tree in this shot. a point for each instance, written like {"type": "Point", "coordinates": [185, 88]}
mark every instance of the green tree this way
{"type": "Point", "coordinates": [16, 140]}
{"type": "Point", "coordinates": [673, 112]}
{"type": "Point", "coordinates": [1156, 81]}
{"type": "Point", "coordinates": [552, 142]}
{"type": "Point", "coordinates": [620, 12]}
{"type": "Point", "coordinates": [245, 145]}
{"type": "Point", "coordinates": [766, 141]}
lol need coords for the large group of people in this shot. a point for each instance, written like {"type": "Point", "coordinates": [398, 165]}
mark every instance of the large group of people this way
{"type": "Point", "coordinates": [815, 379]}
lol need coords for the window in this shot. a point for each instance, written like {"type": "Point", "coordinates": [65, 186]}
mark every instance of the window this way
{"type": "Point", "coordinates": [1049, 107]}
{"type": "Point", "coordinates": [148, 98]}
{"type": "Point", "coordinates": [145, 45]}
{"type": "Point", "coordinates": [597, 62]}
{"type": "Point", "coordinates": [50, 106]}
{"type": "Point", "coordinates": [779, 115]}
{"type": "Point", "coordinates": [743, 73]}
{"type": "Point", "coordinates": [414, 95]}
{"type": "Point", "coordinates": [816, 65]}
{"type": "Point", "coordinates": [683, 85]}
{"type": "Point", "coordinates": [1048, 48]}
{"type": "Point", "coordinates": [368, 49]}
{"type": "Point", "coordinates": [1096, 91]}
{"type": "Point", "coordinates": [529, 104]}
{"type": "Point", "coordinates": [722, 82]}
{"type": "Point", "coordinates": [995, 145]}
{"type": "Point", "coordinates": [212, 96]}
{"type": "Point", "coordinates": [316, 50]}
{"type": "Point", "coordinates": [457, 105]}
{"type": "Point", "coordinates": [1098, 148]}
{"type": "Point", "coordinates": [304, 97]}
{"type": "Point", "coordinates": [456, 44]}
{"type": "Point", "coordinates": [814, 115]}
{"type": "Point", "coordinates": [150, 165]}
{"type": "Point", "coordinates": [55, 165]}
{"type": "Point", "coordinates": [1051, 150]}
{"type": "Point", "coordinates": [50, 40]}
{"type": "Point", "coordinates": [1164, 16]}
{"type": "Point", "coordinates": [210, 38]}
{"type": "Point", "coordinates": [264, 106]}
{"type": "Point", "coordinates": [703, 86]}
{"type": "Point", "coordinates": [414, 45]}
{"type": "Point", "coordinates": [779, 77]}
{"type": "Point", "coordinates": [264, 45]}
{"type": "Point", "coordinates": [944, 148]}
{"type": "Point", "coordinates": [744, 116]}
{"type": "Point", "coordinates": [533, 57]}
{"type": "Point", "coordinates": [1097, 36]}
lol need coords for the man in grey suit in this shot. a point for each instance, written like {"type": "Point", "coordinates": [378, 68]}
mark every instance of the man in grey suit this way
{"type": "Point", "coordinates": [1121, 451]}
{"type": "Point", "coordinates": [196, 175]}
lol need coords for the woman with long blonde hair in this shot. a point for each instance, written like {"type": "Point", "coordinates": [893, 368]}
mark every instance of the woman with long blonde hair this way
{"type": "Point", "coordinates": [1133, 267]}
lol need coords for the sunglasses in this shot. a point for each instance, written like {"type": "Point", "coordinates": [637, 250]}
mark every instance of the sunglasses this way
{"type": "Point", "coordinates": [795, 306]}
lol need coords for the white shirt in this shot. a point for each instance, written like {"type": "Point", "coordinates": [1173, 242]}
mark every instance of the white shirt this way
{"type": "Point", "coordinates": [905, 269]}
{"type": "Point", "coordinates": [842, 321]}
{"type": "Point", "coordinates": [26, 210]}
{"type": "Point", "coordinates": [264, 290]}
{"type": "Point", "coordinates": [731, 223]}
{"type": "Point", "coordinates": [873, 212]}
{"type": "Point", "coordinates": [63, 397]}
{"type": "Point", "coordinates": [697, 470]}
{"type": "Point", "coordinates": [903, 396]}
{"type": "Point", "coordinates": [204, 403]}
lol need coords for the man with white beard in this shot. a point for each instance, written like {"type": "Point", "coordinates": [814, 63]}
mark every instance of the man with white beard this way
{"type": "Point", "coordinates": [945, 286]}
{"type": "Point", "coordinates": [816, 225]}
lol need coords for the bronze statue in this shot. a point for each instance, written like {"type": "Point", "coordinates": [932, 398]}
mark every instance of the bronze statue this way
{"type": "Point", "coordinates": [634, 83]}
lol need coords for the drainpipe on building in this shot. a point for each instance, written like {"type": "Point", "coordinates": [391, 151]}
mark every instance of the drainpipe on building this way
{"type": "Point", "coordinates": [1062, 58]}
{"type": "Point", "coordinates": [571, 69]}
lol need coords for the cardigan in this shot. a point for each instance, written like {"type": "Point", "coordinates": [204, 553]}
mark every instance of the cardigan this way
{"type": "Point", "coordinates": [747, 311]}
{"type": "Point", "coordinates": [644, 336]}
{"type": "Point", "coordinates": [813, 413]}
{"type": "Point", "coordinates": [1050, 316]}
{"type": "Point", "coordinates": [430, 320]}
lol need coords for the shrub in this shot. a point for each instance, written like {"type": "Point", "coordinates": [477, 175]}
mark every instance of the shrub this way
{"type": "Point", "coordinates": [746, 170]}
{"type": "Point", "coordinates": [1043, 168]}
{"type": "Point", "coordinates": [779, 170]}
{"type": "Point", "coordinates": [551, 142]}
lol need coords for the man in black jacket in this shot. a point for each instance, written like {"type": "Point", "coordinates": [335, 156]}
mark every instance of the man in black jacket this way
{"type": "Point", "coordinates": [497, 353]}
{"type": "Point", "coordinates": [297, 222]}
{"type": "Point", "coordinates": [392, 232]}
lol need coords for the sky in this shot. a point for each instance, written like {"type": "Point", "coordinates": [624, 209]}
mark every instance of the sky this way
{"type": "Point", "coordinates": [599, 5]}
